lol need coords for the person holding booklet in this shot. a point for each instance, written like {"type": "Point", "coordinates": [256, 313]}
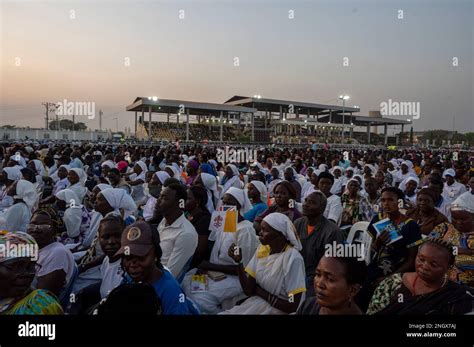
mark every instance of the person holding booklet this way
{"type": "Point", "coordinates": [395, 240]}
{"type": "Point", "coordinates": [222, 282]}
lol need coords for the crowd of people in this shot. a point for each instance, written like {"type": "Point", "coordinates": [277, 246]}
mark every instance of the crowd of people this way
{"type": "Point", "coordinates": [129, 228]}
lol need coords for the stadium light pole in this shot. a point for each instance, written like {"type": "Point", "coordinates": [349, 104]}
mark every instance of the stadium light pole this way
{"type": "Point", "coordinates": [343, 98]}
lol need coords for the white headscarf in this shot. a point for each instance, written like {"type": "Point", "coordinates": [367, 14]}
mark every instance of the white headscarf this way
{"type": "Point", "coordinates": [210, 183]}
{"type": "Point", "coordinates": [82, 175]}
{"type": "Point", "coordinates": [403, 184]}
{"type": "Point", "coordinates": [337, 168]}
{"type": "Point", "coordinates": [323, 167]}
{"type": "Point", "coordinates": [119, 199]}
{"type": "Point", "coordinates": [394, 163]}
{"type": "Point", "coordinates": [103, 186]}
{"type": "Point", "coordinates": [241, 197]}
{"type": "Point", "coordinates": [234, 169]}
{"type": "Point", "coordinates": [465, 202]}
{"type": "Point", "coordinates": [109, 163]}
{"type": "Point", "coordinates": [231, 181]}
{"type": "Point", "coordinates": [71, 198]}
{"type": "Point", "coordinates": [39, 167]}
{"type": "Point", "coordinates": [162, 176]}
{"type": "Point", "coordinates": [13, 173]}
{"type": "Point", "coordinates": [283, 224]}
{"type": "Point", "coordinates": [261, 188]}
{"type": "Point", "coordinates": [372, 168]}
{"type": "Point", "coordinates": [26, 191]}
{"type": "Point", "coordinates": [175, 171]}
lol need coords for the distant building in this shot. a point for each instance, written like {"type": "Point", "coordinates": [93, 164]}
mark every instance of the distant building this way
{"type": "Point", "coordinates": [43, 134]}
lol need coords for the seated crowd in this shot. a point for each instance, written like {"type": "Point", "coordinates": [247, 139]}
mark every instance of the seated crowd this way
{"type": "Point", "coordinates": [106, 229]}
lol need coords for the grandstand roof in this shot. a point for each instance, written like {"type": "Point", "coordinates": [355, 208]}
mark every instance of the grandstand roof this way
{"type": "Point", "coordinates": [195, 108]}
{"type": "Point", "coordinates": [273, 105]}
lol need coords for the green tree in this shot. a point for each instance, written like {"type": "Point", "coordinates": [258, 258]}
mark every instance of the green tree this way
{"type": "Point", "coordinates": [66, 124]}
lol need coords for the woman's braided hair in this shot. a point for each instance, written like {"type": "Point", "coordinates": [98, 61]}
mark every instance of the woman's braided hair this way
{"type": "Point", "coordinates": [441, 244]}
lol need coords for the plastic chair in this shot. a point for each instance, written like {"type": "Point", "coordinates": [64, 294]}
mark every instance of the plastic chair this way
{"type": "Point", "coordinates": [66, 291]}
{"type": "Point", "coordinates": [185, 269]}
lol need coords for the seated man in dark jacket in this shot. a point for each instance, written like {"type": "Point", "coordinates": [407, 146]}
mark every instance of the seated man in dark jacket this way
{"type": "Point", "coordinates": [315, 232]}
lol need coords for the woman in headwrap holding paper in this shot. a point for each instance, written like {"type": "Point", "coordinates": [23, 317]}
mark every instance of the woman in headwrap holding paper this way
{"type": "Point", "coordinates": [16, 275]}
{"type": "Point", "coordinates": [275, 276]}
{"type": "Point", "coordinates": [17, 216]}
{"type": "Point", "coordinates": [228, 289]}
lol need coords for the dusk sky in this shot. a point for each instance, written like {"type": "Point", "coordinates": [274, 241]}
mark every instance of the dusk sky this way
{"type": "Point", "coordinates": [301, 59]}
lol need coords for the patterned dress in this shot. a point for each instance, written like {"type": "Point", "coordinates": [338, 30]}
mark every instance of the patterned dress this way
{"type": "Point", "coordinates": [463, 269]}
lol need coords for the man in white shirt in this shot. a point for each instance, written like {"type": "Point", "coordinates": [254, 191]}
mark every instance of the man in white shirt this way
{"type": "Point", "coordinates": [333, 210]}
{"type": "Point", "coordinates": [178, 237]}
{"type": "Point", "coordinates": [452, 189]}
{"type": "Point", "coordinates": [442, 204]}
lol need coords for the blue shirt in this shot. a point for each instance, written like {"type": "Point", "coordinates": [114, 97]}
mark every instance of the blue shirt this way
{"type": "Point", "coordinates": [168, 290]}
{"type": "Point", "coordinates": [255, 211]}
{"type": "Point", "coordinates": [173, 300]}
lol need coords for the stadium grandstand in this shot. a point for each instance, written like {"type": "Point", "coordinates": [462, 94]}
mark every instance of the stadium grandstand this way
{"type": "Point", "coordinates": [258, 120]}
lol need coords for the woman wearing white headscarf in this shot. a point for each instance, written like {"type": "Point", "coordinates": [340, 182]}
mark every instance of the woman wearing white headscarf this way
{"type": "Point", "coordinates": [10, 175]}
{"type": "Point", "coordinates": [339, 181]}
{"type": "Point", "coordinates": [231, 179]}
{"type": "Point", "coordinates": [410, 189]}
{"type": "Point", "coordinates": [258, 196]}
{"type": "Point", "coordinates": [406, 170]}
{"type": "Point", "coordinates": [275, 180]}
{"type": "Point", "coordinates": [76, 218]}
{"type": "Point", "coordinates": [209, 182]}
{"type": "Point", "coordinates": [227, 291]}
{"type": "Point", "coordinates": [120, 201]}
{"type": "Point", "coordinates": [275, 277]}
{"type": "Point", "coordinates": [137, 181]}
{"type": "Point", "coordinates": [77, 179]}
{"type": "Point", "coordinates": [17, 216]}
{"type": "Point", "coordinates": [154, 188]}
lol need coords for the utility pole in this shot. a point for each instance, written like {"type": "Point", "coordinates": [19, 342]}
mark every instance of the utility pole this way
{"type": "Point", "coordinates": [73, 122]}
{"type": "Point", "coordinates": [100, 119]}
{"type": "Point", "coordinates": [50, 107]}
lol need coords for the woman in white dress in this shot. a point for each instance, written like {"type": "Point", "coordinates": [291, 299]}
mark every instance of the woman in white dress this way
{"type": "Point", "coordinates": [17, 216]}
{"type": "Point", "coordinates": [77, 178]}
{"type": "Point", "coordinates": [137, 180]}
{"type": "Point", "coordinates": [209, 182]}
{"type": "Point", "coordinates": [227, 289]}
{"type": "Point", "coordinates": [275, 277]}
{"type": "Point", "coordinates": [231, 178]}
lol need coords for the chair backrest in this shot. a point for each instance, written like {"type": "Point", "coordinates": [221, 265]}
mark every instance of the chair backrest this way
{"type": "Point", "coordinates": [359, 235]}
{"type": "Point", "coordinates": [185, 269]}
{"type": "Point", "coordinates": [92, 232]}
{"type": "Point", "coordinates": [66, 291]}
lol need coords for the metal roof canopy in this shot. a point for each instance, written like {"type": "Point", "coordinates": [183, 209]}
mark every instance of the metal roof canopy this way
{"type": "Point", "coordinates": [363, 120]}
{"type": "Point", "coordinates": [273, 105]}
{"type": "Point", "coordinates": [142, 104]}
